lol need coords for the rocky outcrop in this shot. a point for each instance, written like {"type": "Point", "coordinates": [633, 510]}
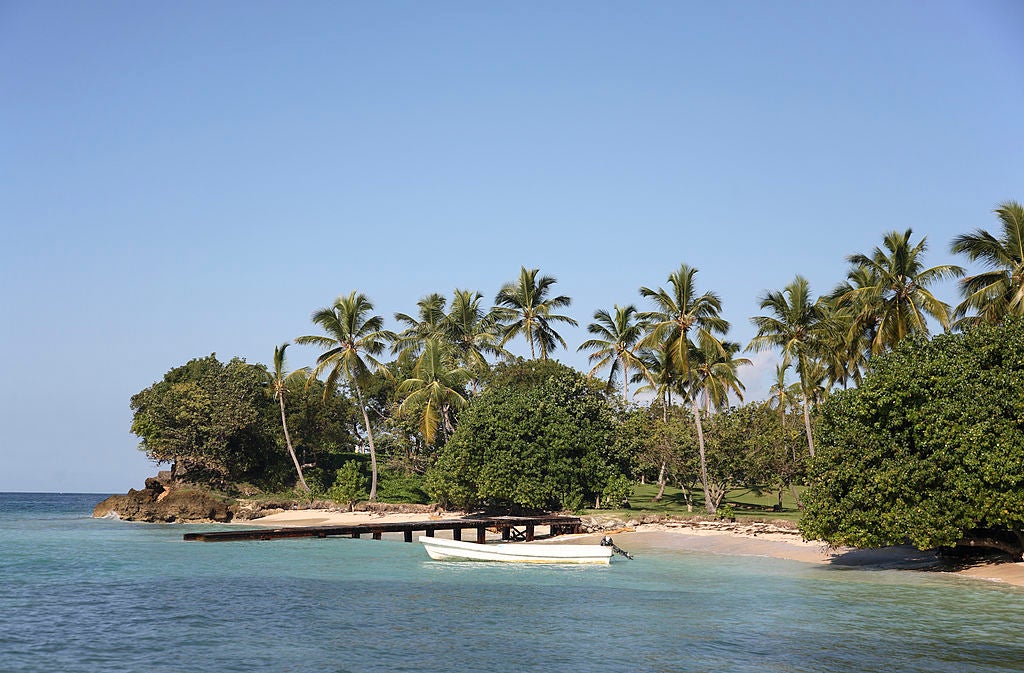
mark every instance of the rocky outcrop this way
{"type": "Point", "coordinates": [163, 501]}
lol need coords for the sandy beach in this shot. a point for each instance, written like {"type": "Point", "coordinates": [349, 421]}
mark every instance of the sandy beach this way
{"type": "Point", "coordinates": [709, 537]}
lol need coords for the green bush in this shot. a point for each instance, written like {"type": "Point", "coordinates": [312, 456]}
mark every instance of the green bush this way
{"type": "Point", "coordinates": [617, 491]}
{"type": "Point", "coordinates": [540, 436]}
{"type": "Point", "coordinates": [929, 449]}
{"type": "Point", "coordinates": [401, 487]}
{"type": "Point", "coordinates": [349, 485]}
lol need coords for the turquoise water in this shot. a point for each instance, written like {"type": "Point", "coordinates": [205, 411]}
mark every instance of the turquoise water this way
{"type": "Point", "coordinates": [79, 594]}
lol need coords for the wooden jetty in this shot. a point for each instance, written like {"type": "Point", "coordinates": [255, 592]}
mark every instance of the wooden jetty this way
{"type": "Point", "coordinates": [511, 528]}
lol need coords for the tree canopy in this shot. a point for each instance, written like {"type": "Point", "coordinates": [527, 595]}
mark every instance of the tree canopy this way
{"type": "Point", "coordinates": [218, 423]}
{"type": "Point", "coordinates": [929, 449]}
{"type": "Point", "coordinates": [540, 436]}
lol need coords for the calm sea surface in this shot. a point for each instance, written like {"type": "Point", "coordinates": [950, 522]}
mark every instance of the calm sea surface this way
{"type": "Point", "coordinates": [79, 594]}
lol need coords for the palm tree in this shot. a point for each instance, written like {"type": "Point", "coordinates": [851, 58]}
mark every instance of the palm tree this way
{"type": "Point", "coordinates": [795, 327]}
{"type": "Point", "coordinates": [353, 340]}
{"type": "Point", "coordinates": [527, 308]}
{"type": "Point", "coordinates": [715, 376]}
{"type": "Point", "coordinates": [684, 323]}
{"type": "Point", "coordinates": [899, 302]}
{"type": "Point", "coordinates": [473, 332]}
{"type": "Point", "coordinates": [782, 395]}
{"type": "Point", "coordinates": [279, 384]}
{"type": "Point", "coordinates": [616, 344]}
{"type": "Point", "coordinates": [659, 377]}
{"type": "Point", "coordinates": [682, 319]}
{"type": "Point", "coordinates": [434, 388]}
{"type": "Point", "coordinates": [999, 292]}
{"type": "Point", "coordinates": [429, 323]}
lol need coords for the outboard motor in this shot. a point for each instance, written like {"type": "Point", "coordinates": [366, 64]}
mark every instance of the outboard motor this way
{"type": "Point", "coordinates": [606, 541]}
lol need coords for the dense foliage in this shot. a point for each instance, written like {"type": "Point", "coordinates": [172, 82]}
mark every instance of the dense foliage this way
{"type": "Point", "coordinates": [929, 449]}
{"type": "Point", "coordinates": [925, 450]}
{"type": "Point", "coordinates": [540, 436]}
{"type": "Point", "coordinates": [218, 423]}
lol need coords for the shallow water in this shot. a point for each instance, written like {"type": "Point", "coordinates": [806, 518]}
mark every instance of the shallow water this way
{"type": "Point", "coordinates": [80, 594]}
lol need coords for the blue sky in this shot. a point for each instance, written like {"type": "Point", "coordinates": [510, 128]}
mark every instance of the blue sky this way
{"type": "Point", "coordinates": [184, 178]}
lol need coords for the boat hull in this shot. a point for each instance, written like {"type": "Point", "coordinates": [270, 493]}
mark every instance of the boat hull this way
{"type": "Point", "coordinates": [441, 549]}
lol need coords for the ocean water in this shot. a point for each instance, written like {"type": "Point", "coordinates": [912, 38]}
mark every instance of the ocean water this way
{"type": "Point", "coordinates": [81, 594]}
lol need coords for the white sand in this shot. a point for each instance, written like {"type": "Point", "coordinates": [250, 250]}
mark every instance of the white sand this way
{"type": "Point", "coordinates": [709, 537]}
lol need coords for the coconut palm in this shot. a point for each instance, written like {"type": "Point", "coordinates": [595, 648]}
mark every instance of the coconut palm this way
{"type": "Point", "coordinates": [782, 395]}
{"type": "Point", "coordinates": [659, 377]}
{"type": "Point", "coordinates": [713, 378]}
{"type": "Point", "coordinates": [685, 323]}
{"type": "Point", "coordinates": [473, 332]}
{"type": "Point", "coordinates": [615, 345]}
{"type": "Point", "coordinates": [435, 390]}
{"type": "Point", "coordinates": [795, 327]}
{"type": "Point", "coordinates": [998, 292]}
{"type": "Point", "coordinates": [428, 323]}
{"type": "Point", "coordinates": [280, 383]}
{"type": "Point", "coordinates": [899, 302]}
{"type": "Point", "coordinates": [714, 374]}
{"type": "Point", "coordinates": [682, 320]}
{"type": "Point", "coordinates": [526, 308]}
{"type": "Point", "coordinates": [354, 338]}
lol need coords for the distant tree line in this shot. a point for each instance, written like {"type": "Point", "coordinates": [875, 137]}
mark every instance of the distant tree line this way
{"type": "Point", "coordinates": [442, 403]}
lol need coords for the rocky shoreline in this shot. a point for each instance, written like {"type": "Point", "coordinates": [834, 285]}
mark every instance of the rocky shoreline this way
{"type": "Point", "coordinates": [164, 500]}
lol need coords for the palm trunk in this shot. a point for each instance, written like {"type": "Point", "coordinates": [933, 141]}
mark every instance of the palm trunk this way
{"type": "Point", "coordinates": [807, 425]}
{"type": "Point", "coordinates": [288, 443]}
{"type": "Point", "coordinates": [625, 381]}
{"type": "Point", "coordinates": [708, 504]}
{"type": "Point", "coordinates": [369, 436]}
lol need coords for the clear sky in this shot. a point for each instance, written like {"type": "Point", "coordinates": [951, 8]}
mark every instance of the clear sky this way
{"type": "Point", "coordinates": [184, 178]}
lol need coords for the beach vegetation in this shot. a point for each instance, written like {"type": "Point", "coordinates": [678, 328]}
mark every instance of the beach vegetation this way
{"type": "Point", "coordinates": [280, 384]}
{"type": "Point", "coordinates": [353, 339]}
{"type": "Point", "coordinates": [526, 308]}
{"type": "Point", "coordinates": [998, 291]}
{"type": "Point", "coordinates": [795, 326]}
{"type": "Point", "coordinates": [349, 485]}
{"type": "Point", "coordinates": [929, 449]}
{"type": "Point", "coordinates": [210, 420]}
{"type": "Point", "coordinates": [682, 324]}
{"type": "Point", "coordinates": [615, 345]}
{"type": "Point", "coordinates": [539, 436]}
{"type": "Point", "coordinates": [896, 303]}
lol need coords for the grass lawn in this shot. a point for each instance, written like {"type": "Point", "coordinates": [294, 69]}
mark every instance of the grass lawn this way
{"type": "Point", "coordinates": [746, 503]}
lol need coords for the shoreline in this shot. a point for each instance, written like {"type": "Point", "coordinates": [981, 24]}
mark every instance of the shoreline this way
{"type": "Point", "coordinates": [764, 540]}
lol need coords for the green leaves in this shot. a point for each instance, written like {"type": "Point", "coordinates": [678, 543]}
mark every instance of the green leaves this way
{"type": "Point", "coordinates": [539, 437]}
{"type": "Point", "coordinates": [929, 449]}
{"type": "Point", "coordinates": [527, 309]}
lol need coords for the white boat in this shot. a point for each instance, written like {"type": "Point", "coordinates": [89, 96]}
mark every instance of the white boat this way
{"type": "Point", "coordinates": [441, 549]}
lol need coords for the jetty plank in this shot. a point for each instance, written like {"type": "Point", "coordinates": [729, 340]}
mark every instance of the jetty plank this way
{"type": "Point", "coordinates": [558, 525]}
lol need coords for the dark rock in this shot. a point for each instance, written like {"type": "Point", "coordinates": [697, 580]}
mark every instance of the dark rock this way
{"type": "Point", "coordinates": [154, 484]}
{"type": "Point", "coordinates": [157, 503]}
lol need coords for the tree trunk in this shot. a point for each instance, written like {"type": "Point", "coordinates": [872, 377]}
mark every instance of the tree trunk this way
{"type": "Point", "coordinates": [796, 496]}
{"type": "Point", "coordinates": [288, 443]}
{"type": "Point", "coordinates": [625, 381]}
{"type": "Point", "coordinates": [807, 425]}
{"type": "Point", "coordinates": [1016, 551]}
{"type": "Point", "coordinates": [708, 504]}
{"type": "Point", "coordinates": [369, 436]}
{"type": "Point", "coordinates": [661, 483]}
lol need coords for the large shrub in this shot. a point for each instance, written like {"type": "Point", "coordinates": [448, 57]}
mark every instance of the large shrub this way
{"type": "Point", "coordinates": [540, 436]}
{"type": "Point", "coordinates": [929, 449]}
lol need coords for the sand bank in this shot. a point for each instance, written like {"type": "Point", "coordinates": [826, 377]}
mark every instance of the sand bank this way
{"type": "Point", "coordinates": [707, 537]}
